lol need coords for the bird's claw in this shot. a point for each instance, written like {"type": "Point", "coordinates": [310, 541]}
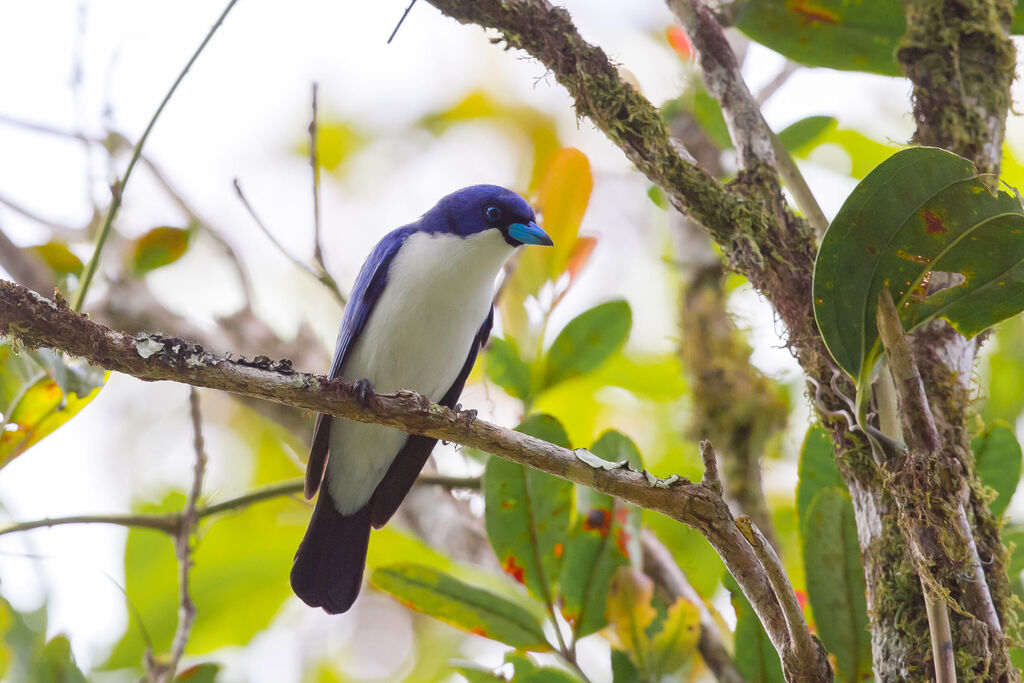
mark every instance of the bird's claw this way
{"type": "Point", "coordinates": [364, 391]}
{"type": "Point", "coordinates": [467, 415]}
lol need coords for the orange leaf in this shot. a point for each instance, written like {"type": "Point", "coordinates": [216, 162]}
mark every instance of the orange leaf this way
{"type": "Point", "coordinates": [563, 198]}
{"type": "Point", "coordinates": [679, 41]}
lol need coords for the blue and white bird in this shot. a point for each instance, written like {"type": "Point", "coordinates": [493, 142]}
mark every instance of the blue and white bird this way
{"type": "Point", "coordinates": [420, 310]}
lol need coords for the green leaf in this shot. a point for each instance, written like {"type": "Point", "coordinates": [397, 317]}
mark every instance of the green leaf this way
{"type": "Point", "coordinates": [528, 514]}
{"type": "Point", "coordinates": [22, 640]}
{"type": "Point", "coordinates": [159, 247]}
{"type": "Point", "coordinates": [587, 340]}
{"type": "Point", "coordinates": [708, 114]}
{"type": "Point", "coordinates": [806, 132]}
{"type": "Point", "coordinates": [997, 460]}
{"type": "Point", "coordinates": [606, 536]}
{"type": "Point", "coordinates": [199, 673]}
{"type": "Point", "coordinates": [57, 663]}
{"type": "Point", "coordinates": [506, 369]}
{"type": "Point", "coordinates": [238, 580]}
{"type": "Point", "coordinates": [922, 210]}
{"type": "Point", "coordinates": [39, 392]}
{"type": "Point", "coordinates": [461, 605]}
{"type": "Point", "coordinates": [1004, 375]}
{"type": "Point", "coordinates": [854, 35]}
{"type": "Point", "coordinates": [476, 673]}
{"type": "Point", "coordinates": [623, 669]}
{"type": "Point", "coordinates": [756, 657]}
{"type": "Point", "coordinates": [817, 469]}
{"type": "Point", "coordinates": [546, 675]}
{"type": "Point", "coordinates": [58, 257]}
{"type": "Point", "coordinates": [835, 581]}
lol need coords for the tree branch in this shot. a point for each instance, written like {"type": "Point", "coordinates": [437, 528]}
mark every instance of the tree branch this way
{"type": "Point", "coordinates": [756, 143]}
{"type": "Point", "coordinates": [36, 321]}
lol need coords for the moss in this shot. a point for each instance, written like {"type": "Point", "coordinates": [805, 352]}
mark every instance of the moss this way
{"type": "Point", "coordinates": [960, 58]}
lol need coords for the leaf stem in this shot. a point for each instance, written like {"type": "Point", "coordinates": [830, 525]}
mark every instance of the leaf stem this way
{"type": "Point", "coordinates": [117, 190]}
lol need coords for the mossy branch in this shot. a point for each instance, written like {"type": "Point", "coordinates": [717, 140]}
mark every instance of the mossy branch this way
{"type": "Point", "coordinates": [35, 321]}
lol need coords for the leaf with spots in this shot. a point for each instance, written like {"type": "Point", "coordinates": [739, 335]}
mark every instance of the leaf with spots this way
{"type": "Point", "coordinates": [835, 581]}
{"type": "Point", "coordinates": [528, 514]}
{"type": "Point", "coordinates": [657, 642]}
{"type": "Point", "coordinates": [604, 538]}
{"type": "Point", "coordinates": [461, 605]}
{"type": "Point", "coordinates": [922, 212]}
{"type": "Point", "coordinates": [675, 643]}
{"type": "Point", "coordinates": [857, 35]}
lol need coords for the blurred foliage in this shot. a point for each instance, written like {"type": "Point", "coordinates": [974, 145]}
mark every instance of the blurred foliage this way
{"type": "Point", "coordinates": [40, 391]}
{"type": "Point", "coordinates": [159, 247]}
{"type": "Point", "coordinates": [853, 35]}
{"type": "Point", "coordinates": [566, 561]}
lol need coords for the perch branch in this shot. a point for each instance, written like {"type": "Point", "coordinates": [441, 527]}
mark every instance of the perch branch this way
{"type": "Point", "coordinates": [36, 321]}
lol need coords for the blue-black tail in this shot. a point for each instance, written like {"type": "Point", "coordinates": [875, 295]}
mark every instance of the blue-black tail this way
{"type": "Point", "coordinates": [328, 567]}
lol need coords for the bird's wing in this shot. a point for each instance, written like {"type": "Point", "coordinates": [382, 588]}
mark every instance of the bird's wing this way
{"type": "Point", "coordinates": [406, 466]}
{"type": "Point", "coordinates": [365, 293]}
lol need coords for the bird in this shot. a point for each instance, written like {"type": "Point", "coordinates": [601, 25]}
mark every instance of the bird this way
{"type": "Point", "coordinates": [419, 312]}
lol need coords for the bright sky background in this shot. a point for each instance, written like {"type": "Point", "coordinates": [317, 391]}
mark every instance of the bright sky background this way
{"type": "Point", "coordinates": [240, 113]}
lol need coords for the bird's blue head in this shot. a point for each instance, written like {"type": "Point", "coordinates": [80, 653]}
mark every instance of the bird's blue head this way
{"type": "Point", "coordinates": [477, 208]}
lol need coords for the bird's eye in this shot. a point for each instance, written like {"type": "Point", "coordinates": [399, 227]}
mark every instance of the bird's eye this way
{"type": "Point", "coordinates": [492, 213]}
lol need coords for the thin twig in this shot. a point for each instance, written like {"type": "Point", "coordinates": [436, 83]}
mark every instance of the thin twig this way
{"type": "Point", "coordinates": [401, 21]}
{"type": "Point", "coordinates": [24, 267]}
{"type": "Point", "coordinates": [798, 187]}
{"type": "Point", "coordinates": [941, 635]}
{"type": "Point", "coordinates": [323, 274]}
{"type": "Point", "coordinates": [922, 439]}
{"type": "Point", "coordinates": [314, 164]}
{"type": "Point", "coordinates": [183, 540]}
{"type": "Point", "coordinates": [115, 139]}
{"type": "Point", "coordinates": [117, 191]}
{"type": "Point", "coordinates": [328, 282]}
{"type": "Point", "coordinates": [165, 523]}
{"type": "Point", "coordinates": [170, 523]}
{"type": "Point", "coordinates": [193, 215]}
{"type": "Point", "coordinates": [754, 140]}
{"type": "Point", "coordinates": [765, 93]}
{"type": "Point", "coordinates": [36, 218]}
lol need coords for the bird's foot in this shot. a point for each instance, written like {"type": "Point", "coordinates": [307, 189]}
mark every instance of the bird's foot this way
{"type": "Point", "coordinates": [364, 391]}
{"type": "Point", "coordinates": [467, 415]}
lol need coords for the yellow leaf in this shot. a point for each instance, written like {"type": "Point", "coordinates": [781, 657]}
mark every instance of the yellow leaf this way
{"type": "Point", "coordinates": [563, 197]}
{"type": "Point", "coordinates": [630, 612]}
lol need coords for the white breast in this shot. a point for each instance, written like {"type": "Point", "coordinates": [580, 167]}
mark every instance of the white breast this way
{"type": "Point", "coordinates": [418, 335]}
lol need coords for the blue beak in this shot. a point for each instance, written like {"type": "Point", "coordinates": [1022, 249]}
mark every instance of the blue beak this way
{"type": "Point", "coordinates": [529, 233]}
